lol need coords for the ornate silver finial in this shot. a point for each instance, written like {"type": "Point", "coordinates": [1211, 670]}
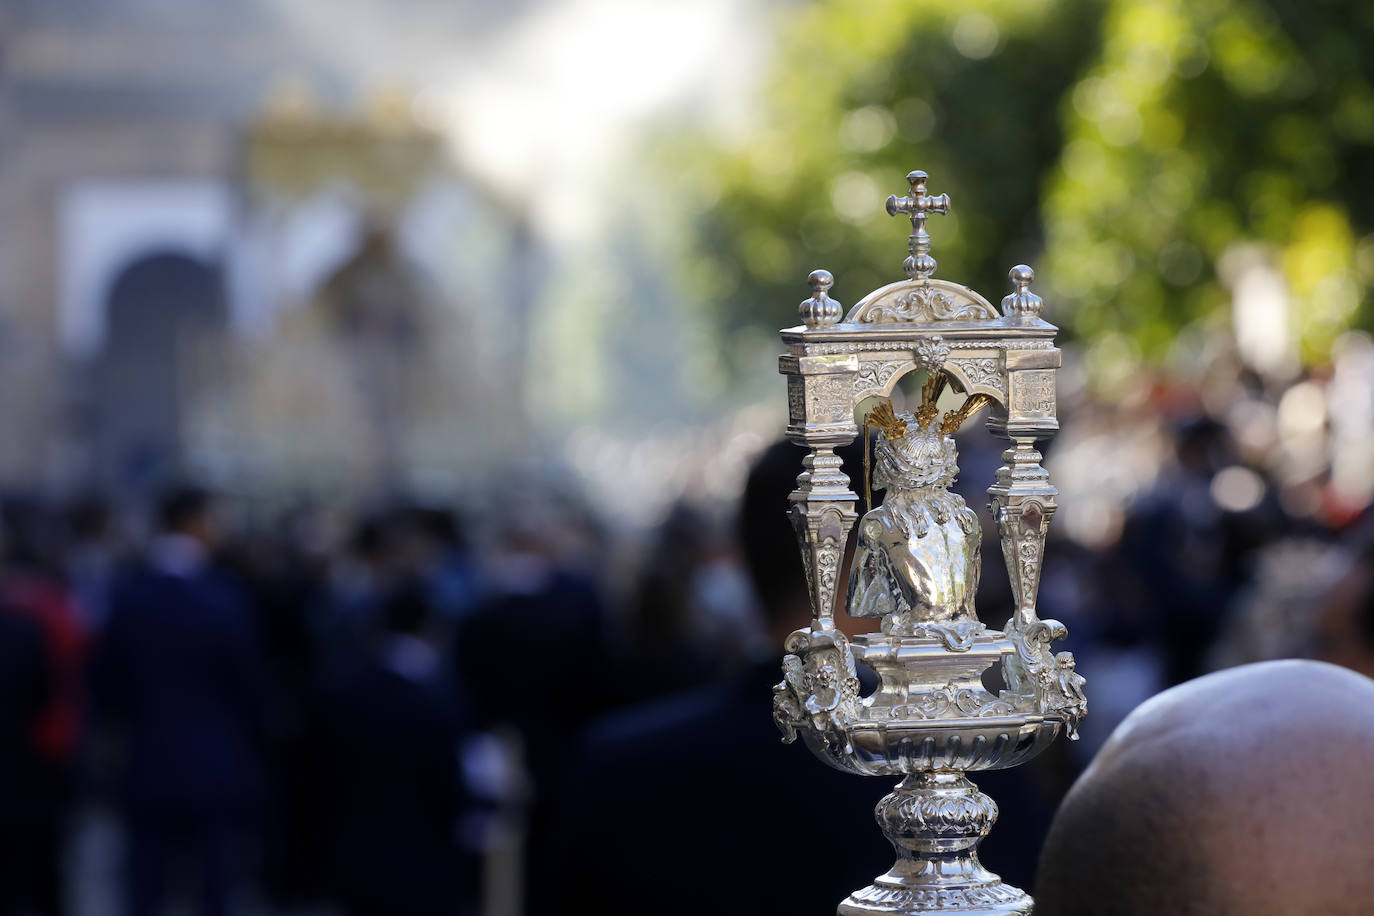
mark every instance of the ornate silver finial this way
{"type": "Point", "coordinates": [1022, 303]}
{"type": "Point", "coordinates": [820, 310]}
{"type": "Point", "coordinates": [919, 265]}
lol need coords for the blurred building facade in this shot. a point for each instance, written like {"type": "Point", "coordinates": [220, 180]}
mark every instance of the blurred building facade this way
{"type": "Point", "coordinates": [207, 236]}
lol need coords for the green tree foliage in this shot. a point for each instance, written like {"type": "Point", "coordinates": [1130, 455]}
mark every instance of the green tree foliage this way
{"type": "Point", "coordinates": [1203, 126]}
{"type": "Point", "coordinates": [1121, 146]}
{"type": "Point", "coordinates": [864, 91]}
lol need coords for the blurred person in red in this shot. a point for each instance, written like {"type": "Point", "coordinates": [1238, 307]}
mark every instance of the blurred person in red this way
{"type": "Point", "coordinates": [179, 672]}
{"type": "Point", "coordinates": [29, 590]}
{"type": "Point", "coordinates": [24, 689]}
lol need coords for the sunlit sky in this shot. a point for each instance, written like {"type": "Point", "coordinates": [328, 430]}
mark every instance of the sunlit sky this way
{"type": "Point", "coordinates": [542, 101]}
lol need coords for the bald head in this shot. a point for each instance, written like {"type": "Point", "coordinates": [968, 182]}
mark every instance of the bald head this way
{"type": "Point", "coordinates": [1246, 791]}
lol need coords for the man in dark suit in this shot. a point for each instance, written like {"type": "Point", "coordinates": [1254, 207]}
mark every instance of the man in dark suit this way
{"type": "Point", "coordinates": [693, 804]}
{"type": "Point", "coordinates": [384, 744]}
{"type": "Point", "coordinates": [179, 669]}
{"type": "Point", "coordinates": [537, 619]}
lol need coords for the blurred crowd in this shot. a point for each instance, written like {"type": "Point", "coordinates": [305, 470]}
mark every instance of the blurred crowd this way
{"type": "Point", "coordinates": [370, 715]}
{"type": "Point", "coordinates": [421, 711]}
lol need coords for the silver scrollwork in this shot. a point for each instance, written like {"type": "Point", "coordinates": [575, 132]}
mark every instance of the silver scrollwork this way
{"type": "Point", "coordinates": [872, 378]}
{"type": "Point", "coordinates": [924, 303]}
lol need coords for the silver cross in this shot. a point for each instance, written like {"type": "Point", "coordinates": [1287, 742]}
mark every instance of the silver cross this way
{"type": "Point", "coordinates": [919, 265]}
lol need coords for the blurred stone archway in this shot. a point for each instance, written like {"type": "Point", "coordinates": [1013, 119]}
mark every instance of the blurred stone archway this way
{"type": "Point", "coordinates": [166, 321]}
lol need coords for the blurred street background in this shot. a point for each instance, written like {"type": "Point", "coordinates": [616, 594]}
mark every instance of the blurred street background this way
{"type": "Point", "coordinates": [411, 357]}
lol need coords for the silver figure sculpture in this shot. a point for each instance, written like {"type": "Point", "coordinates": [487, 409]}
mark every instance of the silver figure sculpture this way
{"type": "Point", "coordinates": [917, 564]}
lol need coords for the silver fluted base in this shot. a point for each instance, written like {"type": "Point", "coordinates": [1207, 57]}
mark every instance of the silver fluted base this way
{"type": "Point", "coordinates": [935, 821]}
